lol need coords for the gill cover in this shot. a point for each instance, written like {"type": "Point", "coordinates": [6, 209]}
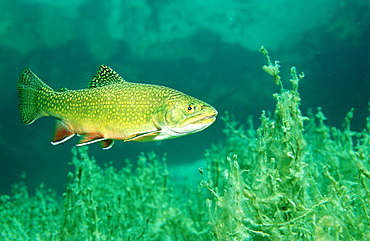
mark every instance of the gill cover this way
{"type": "Point", "coordinates": [182, 116]}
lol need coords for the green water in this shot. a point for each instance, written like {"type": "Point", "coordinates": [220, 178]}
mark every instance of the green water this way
{"type": "Point", "coordinates": [292, 172]}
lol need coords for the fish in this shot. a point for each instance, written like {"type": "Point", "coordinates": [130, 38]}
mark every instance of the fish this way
{"type": "Point", "coordinates": [111, 108]}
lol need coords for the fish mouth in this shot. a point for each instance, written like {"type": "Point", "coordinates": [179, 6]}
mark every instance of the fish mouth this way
{"type": "Point", "coordinates": [205, 120]}
{"type": "Point", "coordinates": [200, 121]}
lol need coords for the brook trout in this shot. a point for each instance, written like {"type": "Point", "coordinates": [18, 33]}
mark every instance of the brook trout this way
{"type": "Point", "coordinates": [113, 109]}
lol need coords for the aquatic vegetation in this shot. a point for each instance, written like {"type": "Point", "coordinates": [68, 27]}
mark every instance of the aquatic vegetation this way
{"type": "Point", "coordinates": [103, 203]}
{"type": "Point", "coordinates": [295, 178]}
{"type": "Point", "coordinates": [292, 178]}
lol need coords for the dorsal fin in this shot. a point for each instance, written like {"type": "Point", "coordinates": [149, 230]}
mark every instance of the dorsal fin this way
{"type": "Point", "coordinates": [105, 76]}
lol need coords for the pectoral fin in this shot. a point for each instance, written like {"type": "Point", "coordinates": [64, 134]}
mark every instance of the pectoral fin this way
{"type": "Point", "coordinates": [143, 137]}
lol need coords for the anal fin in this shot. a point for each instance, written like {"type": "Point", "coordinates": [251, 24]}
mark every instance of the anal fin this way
{"type": "Point", "coordinates": [61, 133]}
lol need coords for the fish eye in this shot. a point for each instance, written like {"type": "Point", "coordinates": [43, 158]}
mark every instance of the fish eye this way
{"type": "Point", "coordinates": [190, 108]}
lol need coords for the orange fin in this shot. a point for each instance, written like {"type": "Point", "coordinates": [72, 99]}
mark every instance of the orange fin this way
{"type": "Point", "coordinates": [89, 138]}
{"type": "Point", "coordinates": [61, 133]}
{"type": "Point", "coordinates": [143, 137]}
{"type": "Point", "coordinates": [107, 144]}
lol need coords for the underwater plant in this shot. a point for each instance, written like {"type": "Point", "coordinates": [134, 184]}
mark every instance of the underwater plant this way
{"type": "Point", "coordinates": [292, 178]}
{"type": "Point", "coordinates": [106, 204]}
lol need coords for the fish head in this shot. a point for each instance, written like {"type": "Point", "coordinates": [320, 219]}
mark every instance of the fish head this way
{"type": "Point", "coordinates": [183, 115]}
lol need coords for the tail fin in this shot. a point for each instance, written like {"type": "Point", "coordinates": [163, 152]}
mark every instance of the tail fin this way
{"type": "Point", "coordinates": [29, 88]}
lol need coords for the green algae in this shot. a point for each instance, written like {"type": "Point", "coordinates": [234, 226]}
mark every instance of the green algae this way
{"type": "Point", "coordinates": [292, 178]}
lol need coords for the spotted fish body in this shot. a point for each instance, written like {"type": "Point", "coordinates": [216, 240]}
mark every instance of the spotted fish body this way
{"type": "Point", "coordinates": [113, 109]}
